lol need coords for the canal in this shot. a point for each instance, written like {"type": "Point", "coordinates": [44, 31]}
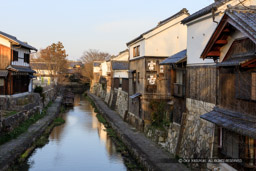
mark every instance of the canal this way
{"type": "Point", "coordinates": [79, 144]}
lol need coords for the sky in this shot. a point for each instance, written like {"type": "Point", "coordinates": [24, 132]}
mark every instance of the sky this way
{"type": "Point", "coordinates": [106, 25]}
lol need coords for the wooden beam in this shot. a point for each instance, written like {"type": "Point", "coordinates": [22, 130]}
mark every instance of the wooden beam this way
{"type": "Point", "coordinates": [214, 53]}
{"type": "Point", "coordinates": [226, 30]}
{"type": "Point", "coordinates": [249, 64]}
{"type": "Point", "coordinates": [221, 42]}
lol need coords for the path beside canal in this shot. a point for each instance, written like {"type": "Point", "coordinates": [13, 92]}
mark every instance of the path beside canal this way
{"type": "Point", "coordinates": [149, 154]}
{"type": "Point", "coordinates": [11, 150]}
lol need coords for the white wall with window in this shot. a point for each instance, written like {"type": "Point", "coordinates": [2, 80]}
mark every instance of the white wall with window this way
{"type": "Point", "coordinates": [20, 56]}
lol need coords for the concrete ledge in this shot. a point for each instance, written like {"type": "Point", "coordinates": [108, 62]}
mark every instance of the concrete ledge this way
{"type": "Point", "coordinates": [146, 151]}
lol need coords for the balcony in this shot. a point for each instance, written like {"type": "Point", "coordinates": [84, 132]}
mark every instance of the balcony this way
{"type": "Point", "coordinates": [179, 90]}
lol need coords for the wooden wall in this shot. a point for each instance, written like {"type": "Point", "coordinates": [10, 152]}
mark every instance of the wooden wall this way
{"type": "Point", "coordinates": [235, 91]}
{"type": "Point", "coordinates": [201, 83]}
{"type": "Point", "coordinates": [5, 56]}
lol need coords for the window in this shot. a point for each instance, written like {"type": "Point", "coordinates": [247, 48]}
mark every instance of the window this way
{"type": "Point", "coordinates": [15, 55]}
{"type": "Point", "coordinates": [26, 58]}
{"type": "Point", "coordinates": [179, 75]}
{"type": "Point", "coordinates": [136, 51]}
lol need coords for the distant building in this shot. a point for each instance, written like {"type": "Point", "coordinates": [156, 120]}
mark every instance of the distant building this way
{"type": "Point", "coordinates": [15, 71]}
{"type": "Point", "coordinates": [45, 73]}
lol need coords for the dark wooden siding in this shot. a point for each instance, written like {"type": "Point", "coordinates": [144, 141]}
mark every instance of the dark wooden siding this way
{"type": "Point", "coordinates": [201, 83]}
{"type": "Point", "coordinates": [235, 90]}
{"type": "Point", "coordinates": [125, 85]}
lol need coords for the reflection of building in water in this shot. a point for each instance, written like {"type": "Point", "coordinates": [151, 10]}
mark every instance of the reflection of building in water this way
{"type": "Point", "coordinates": [106, 139]}
{"type": "Point", "coordinates": [77, 100]}
{"type": "Point", "coordinates": [95, 121]}
{"type": "Point", "coordinates": [57, 131]}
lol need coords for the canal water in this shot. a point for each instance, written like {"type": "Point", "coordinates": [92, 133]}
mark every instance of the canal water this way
{"type": "Point", "coordinates": [79, 144]}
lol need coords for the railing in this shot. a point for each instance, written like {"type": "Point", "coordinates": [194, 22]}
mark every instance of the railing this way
{"type": "Point", "coordinates": [179, 90]}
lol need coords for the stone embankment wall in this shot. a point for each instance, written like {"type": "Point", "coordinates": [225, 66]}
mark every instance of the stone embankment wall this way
{"type": "Point", "coordinates": [194, 138]}
{"type": "Point", "coordinates": [25, 104]}
{"type": "Point", "coordinates": [198, 136]}
{"type": "Point", "coordinates": [9, 123]}
{"type": "Point", "coordinates": [49, 95]}
{"type": "Point", "coordinates": [116, 99]}
{"type": "Point", "coordinates": [19, 102]}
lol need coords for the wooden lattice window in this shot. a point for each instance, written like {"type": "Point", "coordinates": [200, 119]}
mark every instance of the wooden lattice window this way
{"type": "Point", "coordinates": [136, 51]}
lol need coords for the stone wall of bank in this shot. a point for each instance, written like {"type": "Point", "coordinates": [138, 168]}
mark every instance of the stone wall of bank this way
{"type": "Point", "coordinates": [116, 99]}
{"type": "Point", "coordinates": [198, 135]}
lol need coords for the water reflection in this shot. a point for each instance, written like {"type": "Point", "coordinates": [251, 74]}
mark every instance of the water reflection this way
{"type": "Point", "coordinates": [80, 144]}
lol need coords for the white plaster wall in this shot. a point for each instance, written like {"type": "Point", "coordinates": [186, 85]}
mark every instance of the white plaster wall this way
{"type": "Point", "coordinates": [200, 31]}
{"type": "Point", "coordinates": [104, 68]}
{"type": "Point", "coordinates": [120, 74]}
{"type": "Point", "coordinates": [122, 57]}
{"type": "Point", "coordinates": [168, 40]}
{"type": "Point", "coordinates": [164, 40]}
{"type": "Point", "coordinates": [21, 52]}
{"type": "Point", "coordinates": [5, 42]}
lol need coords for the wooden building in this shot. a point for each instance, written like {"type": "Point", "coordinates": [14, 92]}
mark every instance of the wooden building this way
{"type": "Point", "coordinates": [15, 72]}
{"type": "Point", "coordinates": [233, 47]}
{"type": "Point", "coordinates": [176, 65]}
{"type": "Point", "coordinates": [148, 81]}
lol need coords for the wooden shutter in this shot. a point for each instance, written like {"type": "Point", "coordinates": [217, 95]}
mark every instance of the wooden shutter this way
{"type": "Point", "coordinates": [243, 84]}
{"type": "Point", "coordinates": [15, 55]}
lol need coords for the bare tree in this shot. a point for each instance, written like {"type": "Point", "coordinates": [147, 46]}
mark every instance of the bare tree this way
{"type": "Point", "coordinates": [89, 57]}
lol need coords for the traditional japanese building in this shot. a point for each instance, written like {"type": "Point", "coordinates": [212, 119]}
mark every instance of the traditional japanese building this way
{"type": "Point", "coordinates": [203, 77]}
{"type": "Point", "coordinates": [233, 47]}
{"type": "Point", "coordinates": [15, 72]}
{"type": "Point", "coordinates": [148, 81]}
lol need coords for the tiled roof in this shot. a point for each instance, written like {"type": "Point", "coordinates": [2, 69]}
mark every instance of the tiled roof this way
{"type": "Point", "coordinates": [237, 122]}
{"type": "Point", "coordinates": [18, 41]}
{"type": "Point", "coordinates": [120, 65]}
{"type": "Point", "coordinates": [181, 12]}
{"type": "Point", "coordinates": [234, 61]}
{"type": "Point", "coordinates": [135, 95]}
{"type": "Point", "coordinates": [3, 73]}
{"type": "Point", "coordinates": [205, 10]}
{"type": "Point", "coordinates": [176, 58]}
{"type": "Point", "coordinates": [245, 18]}
{"type": "Point", "coordinates": [20, 69]}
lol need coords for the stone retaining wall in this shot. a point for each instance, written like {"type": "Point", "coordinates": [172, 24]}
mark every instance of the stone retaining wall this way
{"type": "Point", "coordinates": [198, 136]}
{"type": "Point", "coordinates": [18, 102]}
{"type": "Point", "coordinates": [122, 103]}
{"type": "Point", "coordinates": [11, 122]}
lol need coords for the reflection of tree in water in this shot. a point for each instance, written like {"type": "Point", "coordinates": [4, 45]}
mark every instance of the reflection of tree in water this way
{"type": "Point", "coordinates": [57, 131]}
